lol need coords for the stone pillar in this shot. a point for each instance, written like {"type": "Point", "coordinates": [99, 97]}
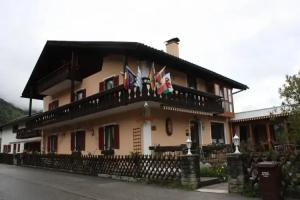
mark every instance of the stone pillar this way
{"type": "Point", "coordinates": [190, 171]}
{"type": "Point", "coordinates": [235, 172]}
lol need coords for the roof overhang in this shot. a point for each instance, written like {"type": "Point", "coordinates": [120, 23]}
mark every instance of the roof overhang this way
{"type": "Point", "coordinates": [54, 51]}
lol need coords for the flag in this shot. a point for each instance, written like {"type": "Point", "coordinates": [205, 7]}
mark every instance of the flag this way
{"type": "Point", "coordinates": [151, 77]}
{"type": "Point", "coordinates": [129, 78]}
{"type": "Point", "coordinates": [138, 82]}
{"type": "Point", "coordinates": [160, 75]}
{"type": "Point", "coordinates": [165, 85]}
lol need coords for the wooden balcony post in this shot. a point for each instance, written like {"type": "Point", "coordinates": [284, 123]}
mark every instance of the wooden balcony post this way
{"type": "Point", "coordinates": [285, 131]}
{"type": "Point", "coordinates": [71, 71]}
{"type": "Point", "coordinates": [251, 134]}
{"type": "Point", "coordinates": [30, 102]}
{"type": "Point", "coordinates": [269, 137]}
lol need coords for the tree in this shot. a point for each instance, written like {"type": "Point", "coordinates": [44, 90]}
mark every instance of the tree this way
{"type": "Point", "coordinates": [290, 93]}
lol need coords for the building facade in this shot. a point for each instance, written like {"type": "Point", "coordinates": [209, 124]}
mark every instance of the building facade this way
{"type": "Point", "coordinates": [15, 139]}
{"type": "Point", "coordinates": [87, 108]}
{"type": "Point", "coordinates": [263, 128]}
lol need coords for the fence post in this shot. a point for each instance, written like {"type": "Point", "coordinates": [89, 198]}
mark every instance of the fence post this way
{"type": "Point", "coordinates": [235, 172]}
{"type": "Point", "coordinates": [190, 171]}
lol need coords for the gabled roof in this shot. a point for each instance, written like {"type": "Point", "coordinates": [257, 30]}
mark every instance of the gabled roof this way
{"type": "Point", "coordinates": [264, 113]}
{"type": "Point", "coordinates": [127, 48]}
{"type": "Point", "coordinates": [14, 122]}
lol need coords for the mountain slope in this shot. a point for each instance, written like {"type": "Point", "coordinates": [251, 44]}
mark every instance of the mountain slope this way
{"type": "Point", "coordinates": [9, 112]}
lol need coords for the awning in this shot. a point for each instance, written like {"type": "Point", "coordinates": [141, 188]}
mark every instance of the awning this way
{"type": "Point", "coordinates": [35, 139]}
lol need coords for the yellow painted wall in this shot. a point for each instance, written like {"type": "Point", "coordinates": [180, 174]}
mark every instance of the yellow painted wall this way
{"type": "Point", "coordinates": [127, 121]}
{"type": "Point", "coordinates": [201, 85]}
{"type": "Point", "coordinates": [180, 124]}
{"type": "Point", "coordinates": [134, 119]}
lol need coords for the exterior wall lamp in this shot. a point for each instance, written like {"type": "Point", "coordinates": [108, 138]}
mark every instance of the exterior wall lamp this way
{"type": "Point", "coordinates": [189, 145]}
{"type": "Point", "coordinates": [236, 142]}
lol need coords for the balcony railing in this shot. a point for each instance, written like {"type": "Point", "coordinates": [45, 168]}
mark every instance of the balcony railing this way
{"type": "Point", "coordinates": [53, 78]}
{"type": "Point", "coordinates": [181, 97]}
{"type": "Point", "coordinates": [24, 133]}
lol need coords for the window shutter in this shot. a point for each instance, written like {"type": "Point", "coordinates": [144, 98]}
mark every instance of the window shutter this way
{"type": "Point", "coordinates": [55, 143]}
{"type": "Point", "coordinates": [101, 86]}
{"type": "Point", "coordinates": [48, 145]}
{"type": "Point", "coordinates": [82, 141]}
{"type": "Point", "coordinates": [116, 81]}
{"type": "Point", "coordinates": [72, 141]}
{"type": "Point", "coordinates": [117, 137]}
{"type": "Point", "coordinates": [101, 138]}
{"type": "Point", "coordinates": [18, 147]}
{"type": "Point", "coordinates": [83, 93]}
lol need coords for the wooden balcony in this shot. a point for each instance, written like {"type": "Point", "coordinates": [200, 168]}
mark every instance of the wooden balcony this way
{"type": "Point", "coordinates": [25, 133]}
{"type": "Point", "coordinates": [61, 76]}
{"type": "Point", "coordinates": [180, 98]}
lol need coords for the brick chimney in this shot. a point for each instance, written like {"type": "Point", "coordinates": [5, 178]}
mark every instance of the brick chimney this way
{"type": "Point", "coordinates": [172, 46]}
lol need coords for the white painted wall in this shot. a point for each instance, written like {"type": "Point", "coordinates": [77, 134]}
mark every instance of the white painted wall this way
{"type": "Point", "coordinates": [7, 137]}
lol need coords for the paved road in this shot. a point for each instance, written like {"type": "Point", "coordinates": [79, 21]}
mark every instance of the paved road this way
{"type": "Point", "coordinates": [20, 183]}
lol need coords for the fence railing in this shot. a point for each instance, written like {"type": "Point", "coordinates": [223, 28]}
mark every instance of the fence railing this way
{"type": "Point", "coordinates": [6, 158]}
{"type": "Point", "coordinates": [162, 168]}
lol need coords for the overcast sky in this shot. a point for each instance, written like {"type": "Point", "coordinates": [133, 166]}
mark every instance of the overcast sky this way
{"type": "Point", "coordinates": [254, 42]}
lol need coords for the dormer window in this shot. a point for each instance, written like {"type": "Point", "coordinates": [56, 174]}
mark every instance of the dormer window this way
{"type": "Point", "coordinates": [80, 95]}
{"type": "Point", "coordinates": [109, 83]}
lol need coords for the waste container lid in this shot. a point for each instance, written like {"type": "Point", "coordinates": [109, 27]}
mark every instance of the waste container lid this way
{"type": "Point", "coordinates": [267, 164]}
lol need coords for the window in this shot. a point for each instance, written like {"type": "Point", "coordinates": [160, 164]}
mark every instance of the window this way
{"type": "Point", "coordinates": [80, 95]}
{"type": "Point", "coordinates": [15, 148]}
{"type": "Point", "coordinates": [19, 147]}
{"type": "Point", "coordinates": [109, 137]}
{"type": "Point", "coordinates": [78, 141]}
{"type": "Point", "coordinates": [226, 93]}
{"type": "Point", "coordinates": [192, 82]}
{"type": "Point", "coordinates": [244, 133]}
{"type": "Point", "coordinates": [109, 83]}
{"type": "Point", "coordinates": [7, 148]}
{"type": "Point", "coordinates": [217, 133]}
{"type": "Point", "coordinates": [52, 144]}
{"type": "Point", "coordinates": [53, 105]}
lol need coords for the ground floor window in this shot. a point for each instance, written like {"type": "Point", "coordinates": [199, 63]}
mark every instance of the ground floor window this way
{"type": "Point", "coordinates": [78, 141]}
{"type": "Point", "coordinates": [52, 144]}
{"type": "Point", "coordinates": [32, 147]}
{"type": "Point", "coordinates": [19, 145]}
{"type": "Point", "coordinates": [217, 133]}
{"type": "Point", "coordinates": [6, 148]}
{"type": "Point", "coordinates": [109, 137]}
{"type": "Point", "coordinates": [244, 133]}
{"type": "Point", "coordinates": [15, 148]}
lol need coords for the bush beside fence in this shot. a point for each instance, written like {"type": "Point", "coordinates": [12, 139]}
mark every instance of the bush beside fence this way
{"type": "Point", "coordinates": [290, 168]}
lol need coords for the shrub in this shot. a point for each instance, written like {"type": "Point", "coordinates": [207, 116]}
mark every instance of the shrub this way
{"type": "Point", "coordinates": [218, 171]}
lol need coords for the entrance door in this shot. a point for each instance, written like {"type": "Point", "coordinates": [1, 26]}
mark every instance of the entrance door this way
{"type": "Point", "coordinates": [194, 128]}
